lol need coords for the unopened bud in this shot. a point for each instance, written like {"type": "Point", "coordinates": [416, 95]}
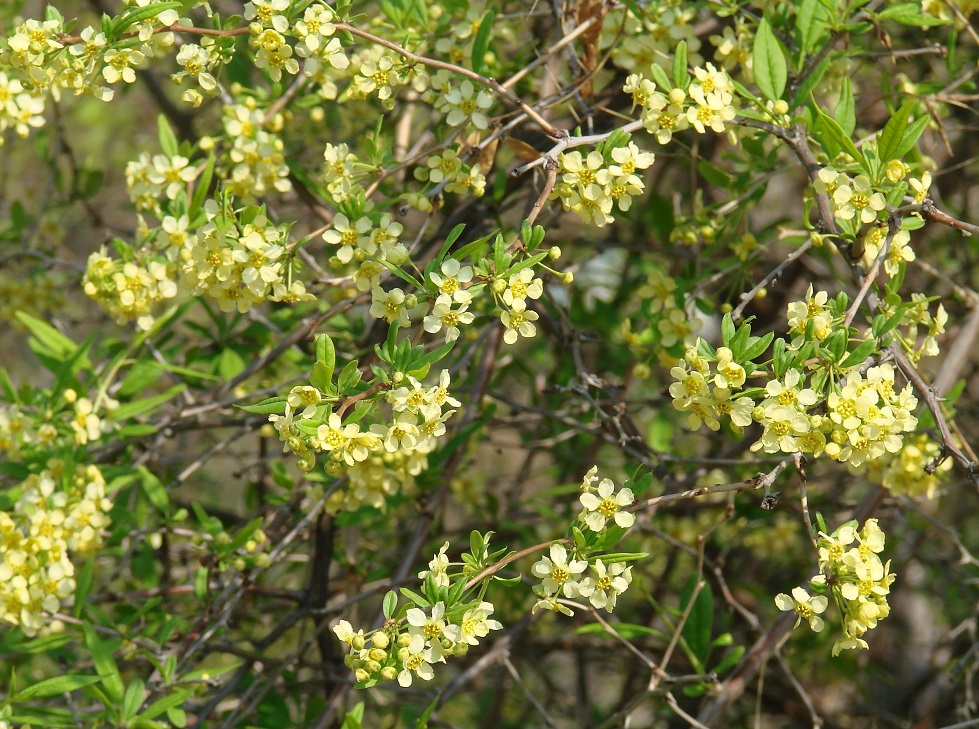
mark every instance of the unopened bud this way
{"type": "Point", "coordinates": [499, 286]}
{"type": "Point", "coordinates": [554, 253]}
{"type": "Point", "coordinates": [70, 395]}
{"type": "Point", "coordinates": [677, 96]}
{"type": "Point", "coordinates": [389, 673]}
{"type": "Point", "coordinates": [781, 107]}
{"type": "Point", "coordinates": [411, 301]}
{"type": "Point", "coordinates": [567, 277]}
{"type": "Point", "coordinates": [362, 676]}
{"type": "Point", "coordinates": [381, 640]}
{"type": "Point", "coordinates": [642, 371]}
{"type": "Point", "coordinates": [896, 170]}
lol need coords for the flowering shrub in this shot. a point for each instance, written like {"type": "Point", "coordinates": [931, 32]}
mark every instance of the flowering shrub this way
{"type": "Point", "coordinates": [283, 324]}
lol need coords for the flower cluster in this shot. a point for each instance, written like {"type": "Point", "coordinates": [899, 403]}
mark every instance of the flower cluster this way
{"type": "Point", "coordinates": [426, 634]}
{"type": "Point", "coordinates": [461, 103]}
{"type": "Point", "coordinates": [563, 576]}
{"type": "Point", "coordinates": [708, 393]}
{"type": "Point", "coordinates": [857, 579]}
{"type": "Point", "coordinates": [148, 179]}
{"type": "Point", "coordinates": [707, 103]}
{"type": "Point", "coordinates": [852, 199]}
{"type": "Point", "coordinates": [128, 290]}
{"type": "Point", "coordinates": [37, 64]}
{"type": "Point", "coordinates": [649, 33]}
{"type": "Point", "coordinates": [449, 172]}
{"type": "Point", "coordinates": [254, 165]}
{"type": "Point", "coordinates": [591, 185]}
{"type": "Point", "coordinates": [380, 459]}
{"type": "Point", "coordinates": [61, 513]}
{"type": "Point", "coordinates": [239, 259]}
{"type": "Point", "coordinates": [913, 471]}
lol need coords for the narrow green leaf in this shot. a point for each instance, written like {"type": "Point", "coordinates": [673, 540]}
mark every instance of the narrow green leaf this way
{"type": "Point", "coordinates": [845, 113]}
{"type": "Point", "coordinates": [911, 136]}
{"type": "Point", "coordinates": [138, 407]}
{"type": "Point", "coordinates": [858, 355]}
{"type": "Point", "coordinates": [681, 74]}
{"type": "Point", "coordinates": [269, 406]}
{"type": "Point", "coordinates": [893, 132]}
{"type": "Point", "coordinates": [727, 330]}
{"type": "Point", "coordinates": [481, 41]}
{"type": "Point", "coordinates": [105, 664]}
{"type": "Point", "coordinates": [55, 687]}
{"type": "Point", "coordinates": [135, 695]}
{"type": "Point", "coordinates": [154, 489]}
{"type": "Point", "coordinates": [390, 603]}
{"type": "Point", "coordinates": [834, 132]}
{"type": "Point", "coordinates": [768, 63]}
{"type": "Point", "coordinates": [700, 621]}
{"type": "Point", "coordinates": [326, 352]}
{"type": "Point", "coordinates": [168, 140]}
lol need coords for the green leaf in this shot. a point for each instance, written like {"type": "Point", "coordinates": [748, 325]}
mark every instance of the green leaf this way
{"type": "Point", "coordinates": [166, 703]}
{"type": "Point", "coordinates": [354, 717]}
{"type": "Point", "coordinates": [138, 407]}
{"type": "Point", "coordinates": [911, 136]}
{"type": "Point", "coordinates": [730, 660]}
{"type": "Point", "coordinates": [858, 355]}
{"type": "Point", "coordinates": [481, 41]}
{"type": "Point", "coordinates": [326, 353]}
{"type": "Point", "coordinates": [137, 15]}
{"type": "Point", "coordinates": [910, 14]}
{"type": "Point", "coordinates": [321, 377]}
{"type": "Point", "coordinates": [810, 23]}
{"type": "Point", "coordinates": [350, 375]}
{"type": "Point", "coordinates": [756, 346]}
{"type": "Point", "coordinates": [835, 133]}
{"type": "Point", "coordinates": [269, 406]}
{"type": "Point", "coordinates": [727, 330]}
{"type": "Point", "coordinates": [681, 74]}
{"type": "Point", "coordinates": [893, 132]}
{"type": "Point", "coordinates": [135, 695]}
{"type": "Point", "coordinates": [845, 114]}
{"type": "Point", "coordinates": [660, 77]}
{"type": "Point", "coordinates": [230, 364]}
{"type": "Point", "coordinates": [51, 341]}
{"type": "Point", "coordinates": [390, 603]}
{"type": "Point", "coordinates": [105, 664]}
{"type": "Point", "coordinates": [55, 687]}
{"type": "Point", "coordinates": [697, 629]}
{"type": "Point", "coordinates": [168, 140]}
{"type": "Point", "coordinates": [201, 187]}
{"type": "Point", "coordinates": [768, 63]}
{"type": "Point", "coordinates": [154, 489]}
{"type": "Point", "coordinates": [200, 584]}
{"type": "Point", "coordinates": [422, 722]}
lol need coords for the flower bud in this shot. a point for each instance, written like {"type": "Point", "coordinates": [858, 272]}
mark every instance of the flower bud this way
{"type": "Point", "coordinates": [677, 96]}
{"type": "Point", "coordinates": [263, 560]}
{"type": "Point", "coordinates": [781, 107]}
{"type": "Point", "coordinates": [389, 673]}
{"type": "Point", "coordinates": [567, 277]}
{"type": "Point", "coordinates": [816, 239]}
{"type": "Point", "coordinates": [896, 170]}
{"type": "Point", "coordinates": [239, 564]}
{"type": "Point", "coordinates": [411, 301]}
{"type": "Point", "coordinates": [499, 286]}
{"type": "Point", "coordinates": [460, 649]}
{"type": "Point", "coordinates": [758, 413]}
{"type": "Point", "coordinates": [70, 396]}
{"type": "Point", "coordinates": [381, 640]}
{"type": "Point", "coordinates": [642, 371]}
{"type": "Point", "coordinates": [361, 675]}
{"type": "Point", "coordinates": [376, 654]}
{"type": "Point", "coordinates": [398, 377]}
{"type": "Point", "coordinates": [404, 640]}
{"type": "Point", "coordinates": [554, 253]}
{"type": "Point", "coordinates": [316, 114]}
{"type": "Point", "coordinates": [357, 642]}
